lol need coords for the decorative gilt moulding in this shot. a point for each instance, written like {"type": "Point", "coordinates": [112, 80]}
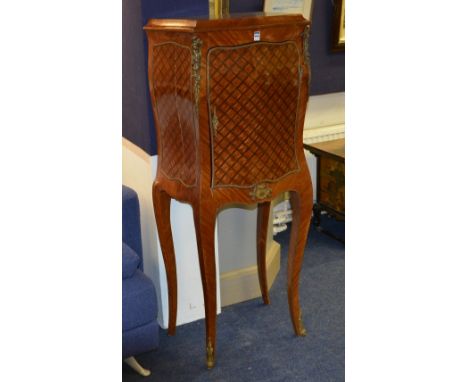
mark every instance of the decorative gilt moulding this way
{"type": "Point", "coordinates": [196, 59]}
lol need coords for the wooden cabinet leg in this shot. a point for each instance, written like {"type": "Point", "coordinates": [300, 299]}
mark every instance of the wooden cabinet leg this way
{"type": "Point", "coordinates": [317, 215]}
{"type": "Point", "coordinates": [301, 203]}
{"type": "Point", "coordinates": [162, 212]}
{"type": "Point", "coordinates": [263, 217]}
{"type": "Point", "coordinates": [205, 220]}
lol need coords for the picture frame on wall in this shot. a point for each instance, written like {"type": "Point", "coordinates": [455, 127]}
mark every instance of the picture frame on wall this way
{"type": "Point", "coordinates": [303, 7]}
{"type": "Point", "coordinates": [338, 33]}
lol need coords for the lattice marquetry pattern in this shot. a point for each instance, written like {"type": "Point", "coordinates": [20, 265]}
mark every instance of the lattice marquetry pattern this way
{"type": "Point", "coordinates": [253, 102]}
{"type": "Point", "coordinates": [171, 83]}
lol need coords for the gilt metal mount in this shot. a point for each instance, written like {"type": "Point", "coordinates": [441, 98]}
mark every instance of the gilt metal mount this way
{"type": "Point", "coordinates": [209, 355]}
{"type": "Point", "coordinates": [196, 64]}
{"type": "Point", "coordinates": [302, 329]}
{"type": "Point", "coordinates": [260, 191]}
{"type": "Point", "coordinates": [214, 122]}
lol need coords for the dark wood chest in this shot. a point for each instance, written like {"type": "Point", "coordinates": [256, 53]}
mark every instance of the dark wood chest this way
{"type": "Point", "coordinates": [330, 176]}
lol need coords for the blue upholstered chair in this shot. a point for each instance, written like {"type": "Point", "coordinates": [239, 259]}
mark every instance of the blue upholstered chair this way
{"type": "Point", "coordinates": [140, 330]}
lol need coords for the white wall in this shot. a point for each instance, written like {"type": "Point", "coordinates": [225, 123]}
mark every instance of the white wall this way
{"type": "Point", "coordinates": [237, 238]}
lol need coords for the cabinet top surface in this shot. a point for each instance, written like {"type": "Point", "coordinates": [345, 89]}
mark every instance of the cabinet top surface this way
{"type": "Point", "coordinates": [237, 20]}
{"type": "Point", "coordinates": [334, 148]}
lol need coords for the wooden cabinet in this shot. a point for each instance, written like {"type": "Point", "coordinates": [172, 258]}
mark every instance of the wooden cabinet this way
{"type": "Point", "coordinates": [229, 98]}
{"type": "Point", "coordinates": [330, 179]}
{"type": "Point", "coordinates": [331, 191]}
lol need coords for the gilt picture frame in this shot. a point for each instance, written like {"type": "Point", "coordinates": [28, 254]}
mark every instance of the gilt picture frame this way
{"type": "Point", "coordinates": [338, 32]}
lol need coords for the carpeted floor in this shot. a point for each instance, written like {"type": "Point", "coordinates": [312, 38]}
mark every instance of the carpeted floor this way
{"type": "Point", "coordinates": [256, 342]}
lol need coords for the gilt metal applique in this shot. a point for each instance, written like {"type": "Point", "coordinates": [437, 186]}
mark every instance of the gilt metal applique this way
{"type": "Point", "coordinates": [209, 355]}
{"type": "Point", "coordinates": [260, 191]}
{"type": "Point", "coordinates": [302, 329]}
{"type": "Point", "coordinates": [214, 122]}
{"type": "Point", "coordinates": [196, 64]}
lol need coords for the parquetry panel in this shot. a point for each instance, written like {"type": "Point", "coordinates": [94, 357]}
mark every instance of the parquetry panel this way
{"type": "Point", "coordinates": [253, 103]}
{"type": "Point", "coordinates": [172, 86]}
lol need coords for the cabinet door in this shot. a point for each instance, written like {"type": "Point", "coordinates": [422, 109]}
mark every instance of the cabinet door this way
{"type": "Point", "coordinates": [253, 98]}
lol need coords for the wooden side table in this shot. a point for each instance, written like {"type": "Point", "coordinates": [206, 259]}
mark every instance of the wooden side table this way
{"type": "Point", "coordinates": [229, 97]}
{"type": "Point", "coordinates": [330, 180]}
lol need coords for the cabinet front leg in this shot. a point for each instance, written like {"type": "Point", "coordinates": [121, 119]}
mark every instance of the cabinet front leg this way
{"type": "Point", "coordinates": [205, 220]}
{"type": "Point", "coordinates": [263, 217]}
{"type": "Point", "coordinates": [301, 203]}
{"type": "Point", "coordinates": [162, 211]}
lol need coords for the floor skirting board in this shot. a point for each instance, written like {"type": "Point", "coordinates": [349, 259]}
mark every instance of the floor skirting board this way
{"type": "Point", "coordinates": [322, 134]}
{"type": "Point", "coordinates": [325, 118]}
{"type": "Point", "coordinates": [242, 284]}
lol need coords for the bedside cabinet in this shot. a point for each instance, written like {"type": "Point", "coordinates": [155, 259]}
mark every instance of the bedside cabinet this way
{"type": "Point", "coordinates": [229, 98]}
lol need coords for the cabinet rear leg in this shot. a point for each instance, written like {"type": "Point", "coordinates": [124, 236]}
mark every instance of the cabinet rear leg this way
{"type": "Point", "coordinates": [162, 211]}
{"type": "Point", "coordinates": [263, 217]}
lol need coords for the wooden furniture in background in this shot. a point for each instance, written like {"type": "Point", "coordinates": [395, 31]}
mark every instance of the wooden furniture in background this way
{"type": "Point", "coordinates": [330, 179]}
{"type": "Point", "coordinates": [229, 97]}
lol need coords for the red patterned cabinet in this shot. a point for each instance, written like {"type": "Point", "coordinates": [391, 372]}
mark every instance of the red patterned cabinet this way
{"type": "Point", "coordinates": [229, 98]}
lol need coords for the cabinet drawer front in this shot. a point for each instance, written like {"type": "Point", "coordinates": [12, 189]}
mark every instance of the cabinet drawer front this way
{"type": "Point", "coordinates": [332, 184]}
{"type": "Point", "coordinates": [253, 96]}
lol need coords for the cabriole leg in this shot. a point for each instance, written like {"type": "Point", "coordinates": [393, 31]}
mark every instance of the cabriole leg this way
{"type": "Point", "coordinates": [205, 220]}
{"type": "Point", "coordinates": [263, 216]}
{"type": "Point", "coordinates": [162, 211]}
{"type": "Point", "coordinates": [301, 203]}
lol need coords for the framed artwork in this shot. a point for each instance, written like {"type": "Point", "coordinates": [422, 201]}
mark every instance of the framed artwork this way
{"type": "Point", "coordinates": [289, 6]}
{"type": "Point", "coordinates": [218, 8]}
{"type": "Point", "coordinates": [338, 35]}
